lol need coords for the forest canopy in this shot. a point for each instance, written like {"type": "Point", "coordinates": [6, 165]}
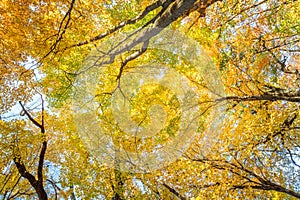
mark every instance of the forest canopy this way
{"type": "Point", "coordinates": [150, 99]}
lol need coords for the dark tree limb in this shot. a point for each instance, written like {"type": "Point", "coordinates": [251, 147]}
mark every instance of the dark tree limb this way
{"type": "Point", "coordinates": [37, 184]}
{"type": "Point", "coordinates": [141, 16]}
{"type": "Point", "coordinates": [291, 97]}
{"type": "Point", "coordinates": [171, 11]}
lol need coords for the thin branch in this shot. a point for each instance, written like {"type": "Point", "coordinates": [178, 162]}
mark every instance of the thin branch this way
{"type": "Point", "coordinates": [30, 117]}
{"type": "Point", "coordinates": [292, 159]}
{"type": "Point", "coordinates": [12, 189]}
{"type": "Point", "coordinates": [173, 191]}
{"type": "Point", "coordinates": [55, 187]}
{"type": "Point", "coordinates": [61, 30]}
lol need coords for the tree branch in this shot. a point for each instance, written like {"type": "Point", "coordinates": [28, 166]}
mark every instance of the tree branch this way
{"type": "Point", "coordinates": [61, 30]}
{"type": "Point", "coordinates": [291, 97]}
{"type": "Point", "coordinates": [261, 182]}
{"type": "Point", "coordinates": [30, 117]}
{"type": "Point", "coordinates": [141, 16]}
{"type": "Point", "coordinates": [173, 191]}
{"type": "Point", "coordinates": [37, 184]}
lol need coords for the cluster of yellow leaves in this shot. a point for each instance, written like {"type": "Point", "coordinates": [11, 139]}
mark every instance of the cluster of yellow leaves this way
{"type": "Point", "coordinates": [238, 43]}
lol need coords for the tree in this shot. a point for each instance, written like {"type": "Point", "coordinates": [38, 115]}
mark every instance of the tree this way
{"type": "Point", "coordinates": [255, 46]}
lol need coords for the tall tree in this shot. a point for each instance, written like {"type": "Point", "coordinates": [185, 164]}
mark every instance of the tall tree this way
{"type": "Point", "coordinates": [255, 46]}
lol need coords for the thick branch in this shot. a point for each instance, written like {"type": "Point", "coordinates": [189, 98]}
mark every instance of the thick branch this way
{"type": "Point", "coordinates": [171, 13]}
{"type": "Point", "coordinates": [24, 173]}
{"type": "Point", "coordinates": [141, 16]}
{"type": "Point", "coordinates": [36, 184]}
{"type": "Point", "coordinates": [41, 162]}
{"type": "Point", "coordinates": [43, 150]}
{"type": "Point", "coordinates": [291, 97]}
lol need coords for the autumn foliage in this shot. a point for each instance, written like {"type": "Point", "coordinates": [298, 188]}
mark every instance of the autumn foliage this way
{"type": "Point", "coordinates": [250, 102]}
